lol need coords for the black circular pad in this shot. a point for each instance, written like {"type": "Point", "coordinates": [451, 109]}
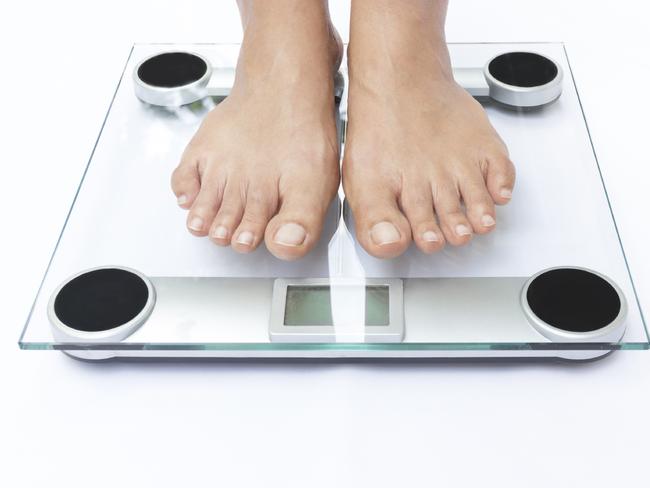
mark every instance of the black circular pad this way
{"type": "Point", "coordinates": [573, 300]}
{"type": "Point", "coordinates": [523, 69]}
{"type": "Point", "coordinates": [171, 70]}
{"type": "Point", "coordinates": [101, 300]}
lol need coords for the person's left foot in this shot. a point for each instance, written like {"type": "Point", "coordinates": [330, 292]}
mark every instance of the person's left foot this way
{"type": "Point", "coordinates": [422, 161]}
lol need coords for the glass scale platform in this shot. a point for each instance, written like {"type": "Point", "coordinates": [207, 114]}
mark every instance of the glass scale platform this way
{"type": "Point", "coordinates": [126, 279]}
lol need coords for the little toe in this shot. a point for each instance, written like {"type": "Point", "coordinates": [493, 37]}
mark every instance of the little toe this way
{"type": "Point", "coordinates": [229, 215]}
{"type": "Point", "coordinates": [380, 227]}
{"type": "Point", "coordinates": [454, 223]}
{"type": "Point", "coordinates": [186, 183]}
{"type": "Point", "coordinates": [260, 205]}
{"type": "Point", "coordinates": [479, 206]}
{"type": "Point", "coordinates": [296, 228]}
{"type": "Point", "coordinates": [417, 203]}
{"type": "Point", "coordinates": [204, 207]}
{"type": "Point", "coordinates": [500, 178]}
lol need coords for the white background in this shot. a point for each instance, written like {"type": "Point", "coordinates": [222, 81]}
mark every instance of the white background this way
{"type": "Point", "coordinates": [69, 423]}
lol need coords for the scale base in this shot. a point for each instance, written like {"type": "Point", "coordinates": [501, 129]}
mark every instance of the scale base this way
{"type": "Point", "coordinates": [334, 356]}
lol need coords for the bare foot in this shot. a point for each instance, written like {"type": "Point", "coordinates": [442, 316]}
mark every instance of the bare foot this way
{"type": "Point", "coordinates": [265, 162]}
{"type": "Point", "coordinates": [422, 161]}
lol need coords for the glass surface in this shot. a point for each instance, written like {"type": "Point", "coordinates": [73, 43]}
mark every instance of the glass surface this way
{"type": "Point", "coordinates": [124, 214]}
{"type": "Point", "coordinates": [312, 305]}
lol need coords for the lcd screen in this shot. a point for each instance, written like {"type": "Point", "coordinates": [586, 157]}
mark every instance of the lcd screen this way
{"type": "Point", "coordinates": [312, 305]}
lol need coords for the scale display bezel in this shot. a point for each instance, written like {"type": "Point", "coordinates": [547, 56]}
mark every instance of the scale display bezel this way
{"type": "Point", "coordinates": [346, 328]}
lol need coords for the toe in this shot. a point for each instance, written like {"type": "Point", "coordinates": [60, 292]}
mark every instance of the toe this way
{"type": "Point", "coordinates": [479, 206]}
{"type": "Point", "coordinates": [296, 228]}
{"type": "Point", "coordinates": [417, 203]}
{"type": "Point", "coordinates": [186, 183]}
{"type": "Point", "coordinates": [454, 223]}
{"type": "Point", "coordinates": [229, 214]}
{"type": "Point", "coordinates": [500, 178]}
{"type": "Point", "coordinates": [260, 205]}
{"type": "Point", "coordinates": [204, 206]}
{"type": "Point", "coordinates": [380, 227]}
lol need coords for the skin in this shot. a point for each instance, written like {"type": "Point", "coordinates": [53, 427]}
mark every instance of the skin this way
{"type": "Point", "coordinates": [427, 167]}
{"type": "Point", "coordinates": [430, 167]}
{"type": "Point", "coordinates": [264, 165]}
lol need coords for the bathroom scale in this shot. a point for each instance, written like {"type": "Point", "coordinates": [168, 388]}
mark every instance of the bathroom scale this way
{"type": "Point", "coordinates": [127, 280]}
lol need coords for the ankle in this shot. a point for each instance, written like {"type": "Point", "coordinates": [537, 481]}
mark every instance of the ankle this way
{"type": "Point", "coordinates": [401, 66]}
{"type": "Point", "coordinates": [294, 50]}
{"type": "Point", "coordinates": [400, 42]}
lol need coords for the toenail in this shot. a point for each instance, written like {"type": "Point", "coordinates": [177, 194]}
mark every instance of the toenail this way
{"type": "Point", "coordinates": [487, 221]}
{"type": "Point", "coordinates": [245, 238]}
{"type": "Point", "coordinates": [182, 200]}
{"type": "Point", "coordinates": [196, 224]}
{"type": "Point", "coordinates": [384, 233]}
{"type": "Point", "coordinates": [290, 235]}
{"type": "Point", "coordinates": [506, 193]}
{"type": "Point", "coordinates": [430, 236]}
{"type": "Point", "coordinates": [462, 230]}
{"type": "Point", "coordinates": [220, 232]}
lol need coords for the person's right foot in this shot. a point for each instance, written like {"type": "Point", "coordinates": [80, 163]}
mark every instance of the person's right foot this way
{"type": "Point", "coordinates": [265, 162]}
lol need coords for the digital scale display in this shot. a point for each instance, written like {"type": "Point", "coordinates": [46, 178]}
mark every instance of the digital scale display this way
{"type": "Point", "coordinates": [311, 305]}
{"type": "Point", "coordinates": [337, 310]}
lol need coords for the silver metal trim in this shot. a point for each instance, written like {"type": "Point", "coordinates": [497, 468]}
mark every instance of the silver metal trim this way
{"type": "Point", "coordinates": [517, 96]}
{"type": "Point", "coordinates": [172, 96]}
{"type": "Point", "coordinates": [64, 333]}
{"type": "Point", "coordinates": [610, 333]}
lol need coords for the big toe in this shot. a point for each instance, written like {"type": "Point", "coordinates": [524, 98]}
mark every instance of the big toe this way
{"type": "Point", "coordinates": [381, 228]}
{"type": "Point", "coordinates": [297, 226]}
